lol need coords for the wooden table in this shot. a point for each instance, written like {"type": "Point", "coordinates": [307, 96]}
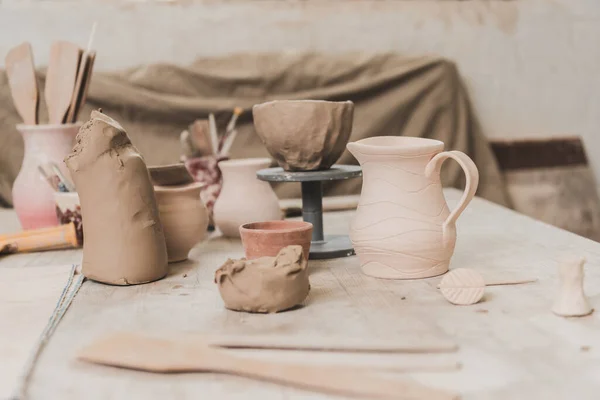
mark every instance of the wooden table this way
{"type": "Point", "coordinates": [511, 345]}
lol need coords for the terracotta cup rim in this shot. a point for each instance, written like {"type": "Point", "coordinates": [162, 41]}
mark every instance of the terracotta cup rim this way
{"type": "Point", "coordinates": [41, 127]}
{"type": "Point", "coordinates": [244, 162]}
{"type": "Point", "coordinates": [277, 226]}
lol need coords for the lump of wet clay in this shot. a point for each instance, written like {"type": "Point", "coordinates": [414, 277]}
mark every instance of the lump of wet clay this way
{"type": "Point", "coordinates": [265, 284]}
{"type": "Point", "coordinates": [124, 239]}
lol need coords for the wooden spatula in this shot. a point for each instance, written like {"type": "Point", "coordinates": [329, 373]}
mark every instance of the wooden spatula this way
{"type": "Point", "coordinates": [22, 82]}
{"type": "Point", "coordinates": [135, 351]}
{"type": "Point", "coordinates": [60, 79]}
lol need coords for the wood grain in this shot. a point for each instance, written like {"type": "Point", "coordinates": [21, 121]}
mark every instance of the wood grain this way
{"type": "Point", "coordinates": [60, 79]}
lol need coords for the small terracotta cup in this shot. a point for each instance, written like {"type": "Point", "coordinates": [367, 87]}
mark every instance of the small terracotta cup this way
{"type": "Point", "coordinates": [266, 238]}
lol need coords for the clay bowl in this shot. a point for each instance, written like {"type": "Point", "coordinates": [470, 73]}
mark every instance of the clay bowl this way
{"type": "Point", "coordinates": [267, 238]}
{"type": "Point", "coordinates": [304, 135]}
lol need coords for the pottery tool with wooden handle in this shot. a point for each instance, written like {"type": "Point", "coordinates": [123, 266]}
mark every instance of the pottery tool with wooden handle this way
{"type": "Point", "coordinates": [139, 352]}
{"type": "Point", "coordinates": [83, 76]}
{"type": "Point", "coordinates": [23, 83]}
{"type": "Point", "coordinates": [54, 238]}
{"type": "Point", "coordinates": [60, 79]}
{"type": "Point", "coordinates": [329, 343]}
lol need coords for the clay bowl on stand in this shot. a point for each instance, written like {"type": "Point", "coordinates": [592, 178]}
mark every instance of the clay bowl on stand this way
{"type": "Point", "coordinates": [266, 239]}
{"type": "Point", "coordinates": [183, 216]}
{"type": "Point", "coordinates": [304, 135]}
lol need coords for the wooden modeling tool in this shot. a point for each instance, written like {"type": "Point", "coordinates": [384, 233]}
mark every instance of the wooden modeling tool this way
{"type": "Point", "coordinates": [48, 178]}
{"type": "Point", "coordinates": [328, 344]}
{"type": "Point", "coordinates": [54, 238]}
{"type": "Point", "coordinates": [134, 351]}
{"type": "Point", "coordinates": [60, 79]}
{"type": "Point", "coordinates": [23, 83]}
{"type": "Point", "coordinates": [83, 76]}
{"type": "Point", "coordinates": [169, 175]}
{"type": "Point", "coordinates": [214, 136]}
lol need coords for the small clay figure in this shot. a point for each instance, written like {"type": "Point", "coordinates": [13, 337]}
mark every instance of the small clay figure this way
{"type": "Point", "coordinates": [124, 240]}
{"type": "Point", "coordinates": [266, 284]}
{"type": "Point", "coordinates": [571, 300]}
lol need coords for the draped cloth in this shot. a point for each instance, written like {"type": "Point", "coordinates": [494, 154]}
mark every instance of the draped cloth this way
{"type": "Point", "coordinates": [393, 95]}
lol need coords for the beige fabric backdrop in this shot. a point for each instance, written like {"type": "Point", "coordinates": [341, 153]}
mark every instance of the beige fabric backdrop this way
{"type": "Point", "coordinates": [394, 95]}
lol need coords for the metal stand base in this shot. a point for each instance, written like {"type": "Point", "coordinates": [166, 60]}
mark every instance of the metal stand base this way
{"type": "Point", "coordinates": [322, 247]}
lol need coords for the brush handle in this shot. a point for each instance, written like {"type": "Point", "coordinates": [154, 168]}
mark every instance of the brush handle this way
{"type": "Point", "coordinates": [338, 380]}
{"type": "Point", "coordinates": [58, 237]}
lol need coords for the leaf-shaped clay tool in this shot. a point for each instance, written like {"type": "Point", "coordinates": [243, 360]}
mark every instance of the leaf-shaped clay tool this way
{"type": "Point", "coordinates": [462, 286]}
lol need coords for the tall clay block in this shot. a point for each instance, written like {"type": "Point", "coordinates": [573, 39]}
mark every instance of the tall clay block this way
{"type": "Point", "coordinates": [124, 239]}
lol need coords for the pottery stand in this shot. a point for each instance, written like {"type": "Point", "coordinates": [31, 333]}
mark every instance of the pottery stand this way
{"type": "Point", "coordinates": [322, 246]}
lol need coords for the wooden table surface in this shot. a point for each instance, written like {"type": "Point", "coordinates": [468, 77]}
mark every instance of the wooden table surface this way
{"type": "Point", "coordinates": [511, 346]}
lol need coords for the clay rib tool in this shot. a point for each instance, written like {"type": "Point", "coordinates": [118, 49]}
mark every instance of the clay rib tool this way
{"type": "Point", "coordinates": [134, 351]}
{"type": "Point", "coordinates": [169, 175]}
{"type": "Point", "coordinates": [214, 136]}
{"type": "Point", "coordinates": [23, 83]}
{"type": "Point", "coordinates": [333, 344]}
{"type": "Point", "coordinates": [60, 79]}
{"type": "Point", "coordinates": [80, 82]}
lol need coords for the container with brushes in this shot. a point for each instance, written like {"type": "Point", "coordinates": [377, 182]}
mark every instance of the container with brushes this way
{"type": "Point", "coordinates": [33, 198]}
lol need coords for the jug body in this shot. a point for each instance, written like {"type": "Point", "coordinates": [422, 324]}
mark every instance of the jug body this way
{"type": "Point", "coordinates": [403, 228]}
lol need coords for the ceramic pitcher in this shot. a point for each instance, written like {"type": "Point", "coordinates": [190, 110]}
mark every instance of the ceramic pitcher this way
{"type": "Point", "coordinates": [33, 198]}
{"type": "Point", "coordinates": [403, 228]}
{"type": "Point", "coordinates": [243, 198]}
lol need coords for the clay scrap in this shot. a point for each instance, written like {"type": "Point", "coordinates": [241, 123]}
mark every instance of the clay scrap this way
{"type": "Point", "coordinates": [124, 239]}
{"type": "Point", "coordinates": [266, 284]}
{"type": "Point", "coordinates": [571, 300]}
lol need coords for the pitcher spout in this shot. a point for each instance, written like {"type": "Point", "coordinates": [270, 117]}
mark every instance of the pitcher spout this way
{"type": "Point", "coordinates": [354, 149]}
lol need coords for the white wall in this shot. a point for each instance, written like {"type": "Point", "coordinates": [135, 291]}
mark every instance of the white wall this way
{"type": "Point", "coordinates": [532, 66]}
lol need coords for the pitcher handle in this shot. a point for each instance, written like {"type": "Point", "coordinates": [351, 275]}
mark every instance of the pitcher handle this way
{"type": "Point", "coordinates": [432, 171]}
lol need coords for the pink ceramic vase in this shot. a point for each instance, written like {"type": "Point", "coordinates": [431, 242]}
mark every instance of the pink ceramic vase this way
{"type": "Point", "coordinates": [183, 216]}
{"type": "Point", "coordinates": [33, 198]}
{"type": "Point", "coordinates": [243, 197]}
{"type": "Point", "coordinates": [403, 228]}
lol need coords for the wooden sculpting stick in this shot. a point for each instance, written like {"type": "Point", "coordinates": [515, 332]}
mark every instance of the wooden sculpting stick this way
{"type": "Point", "coordinates": [60, 79]}
{"type": "Point", "coordinates": [23, 83]}
{"type": "Point", "coordinates": [83, 77]}
{"type": "Point", "coordinates": [332, 344]}
{"type": "Point", "coordinates": [134, 351]}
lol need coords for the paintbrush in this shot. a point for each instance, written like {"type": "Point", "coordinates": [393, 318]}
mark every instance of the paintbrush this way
{"type": "Point", "coordinates": [67, 183]}
{"type": "Point", "coordinates": [214, 136]}
{"type": "Point", "coordinates": [53, 183]}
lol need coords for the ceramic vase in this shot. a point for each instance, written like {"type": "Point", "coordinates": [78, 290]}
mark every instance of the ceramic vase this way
{"type": "Point", "coordinates": [183, 216]}
{"type": "Point", "coordinates": [33, 198]}
{"type": "Point", "coordinates": [304, 135]}
{"type": "Point", "coordinates": [403, 228]}
{"type": "Point", "coordinates": [243, 197]}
